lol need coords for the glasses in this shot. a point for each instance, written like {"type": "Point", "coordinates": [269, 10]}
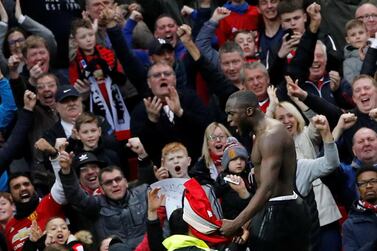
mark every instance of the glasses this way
{"type": "Point", "coordinates": [216, 137]}
{"type": "Point", "coordinates": [160, 74]}
{"type": "Point", "coordinates": [367, 16]}
{"type": "Point", "coordinates": [50, 85]}
{"type": "Point", "coordinates": [364, 183]}
{"type": "Point", "coordinates": [117, 180]}
{"type": "Point", "coordinates": [13, 42]}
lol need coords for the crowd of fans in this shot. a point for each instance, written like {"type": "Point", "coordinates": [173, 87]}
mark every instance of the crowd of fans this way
{"type": "Point", "coordinates": [102, 98]}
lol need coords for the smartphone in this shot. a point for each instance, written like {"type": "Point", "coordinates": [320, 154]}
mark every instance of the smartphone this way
{"type": "Point", "coordinates": [227, 179]}
{"type": "Point", "coordinates": [290, 34]}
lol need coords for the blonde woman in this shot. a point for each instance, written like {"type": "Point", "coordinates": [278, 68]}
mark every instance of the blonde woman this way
{"type": "Point", "coordinates": [209, 165]}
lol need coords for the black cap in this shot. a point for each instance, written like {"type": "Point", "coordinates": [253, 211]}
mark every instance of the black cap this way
{"type": "Point", "coordinates": [158, 45]}
{"type": "Point", "coordinates": [66, 91]}
{"type": "Point", "coordinates": [84, 158]}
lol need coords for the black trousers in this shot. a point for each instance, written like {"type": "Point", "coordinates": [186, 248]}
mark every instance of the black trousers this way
{"type": "Point", "coordinates": [281, 225]}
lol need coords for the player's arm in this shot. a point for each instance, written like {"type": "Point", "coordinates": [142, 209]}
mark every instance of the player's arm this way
{"type": "Point", "coordinates": [271, 150]}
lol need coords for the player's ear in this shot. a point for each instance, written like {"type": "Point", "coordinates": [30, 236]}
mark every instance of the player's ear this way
{"type": "Point", "coordinates": [249, 111]}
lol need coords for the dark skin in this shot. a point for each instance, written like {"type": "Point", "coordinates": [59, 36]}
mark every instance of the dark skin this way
{"type": "Point", "coordinates": [273, 156]}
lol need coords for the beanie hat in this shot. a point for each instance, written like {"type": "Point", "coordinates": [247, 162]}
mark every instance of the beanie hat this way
{"type": "Point", "coordinates": [233, 149]}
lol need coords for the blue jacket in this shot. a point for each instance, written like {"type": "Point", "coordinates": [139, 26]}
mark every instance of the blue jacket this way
{"type": "Point", "coordinates": [8, 105]}
{"type": "Point", "coordinates": [360, 230]}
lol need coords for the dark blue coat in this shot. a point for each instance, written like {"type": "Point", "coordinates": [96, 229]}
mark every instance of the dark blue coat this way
{"type": "Point", "coordinates": [360, 231]}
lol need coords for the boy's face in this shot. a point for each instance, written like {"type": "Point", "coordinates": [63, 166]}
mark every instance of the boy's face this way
{"type": "Point", "coordinates": [177, 164]}
{"type": "Point", "coordinates": [85, 38]}
{"type": "Point", "coordinates": [89, 134]}
{"type": "Point", "coordinates": [237, 165]}
{"type": "Point", "coordinates": [246, 42]}
{"type": "Point", "coordinates": [294, 20]}
{"type": "Point", "coordinates": [357, 37]}
{"type": "Point", "coordinates": [58, 229]}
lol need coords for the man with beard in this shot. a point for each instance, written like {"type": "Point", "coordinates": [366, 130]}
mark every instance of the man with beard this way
{"type": "Point", "coordinates": [360, 229]}
{"type": "Point", "coordinates": [286, 225]}
{"type": "Point", "coordinates": [29, 208]}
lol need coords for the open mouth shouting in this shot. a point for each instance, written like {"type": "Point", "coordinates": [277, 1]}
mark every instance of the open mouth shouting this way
{"type": "Point", "coordinates": [59, 238]}
{"type": "Point", "coordinates": [25, 196]}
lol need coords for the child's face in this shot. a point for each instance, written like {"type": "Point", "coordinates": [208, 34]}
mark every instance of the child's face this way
{"type": "Point", "coordinates": [357, 37]}
{"type": "Point", "coordinates": [85, 38]}
{"type": "Point", "coordinates": [246, 42]}
{"type": "Point", "coordinates": [89, 134]}
{"type": "Point", "coordinates": [237, 165]}
{"type": "Point", "coordinates": [58, 229]}
{"type": "Point", "coordinates": [177, 164]}
{"type": "Point", "coordinates": [6, 209]}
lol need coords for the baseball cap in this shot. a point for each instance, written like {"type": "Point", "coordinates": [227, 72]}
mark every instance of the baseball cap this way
{"type": "Point", "coordinates": [84, 158]}
{"type": "Point", "coordinates": [158, 45]}
{"type": "Point", "coordinates": [66, 91]}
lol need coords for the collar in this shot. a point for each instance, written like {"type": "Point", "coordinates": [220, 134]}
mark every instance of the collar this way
{"type": "Point", "coordinates": [67, 128]}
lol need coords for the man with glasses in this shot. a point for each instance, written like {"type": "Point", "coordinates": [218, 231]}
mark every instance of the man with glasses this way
{"type": "Point", "coordinates": [168, 115]}
{"type": "Point", "coordinates": [360, 229]}
{"type": "Point", "coordinates": [118, 211]}
{"type": "Point", "coordinates": [367, 13]}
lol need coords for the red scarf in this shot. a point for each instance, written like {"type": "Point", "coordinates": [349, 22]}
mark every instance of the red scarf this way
{"type": "Point", "coordinates": [216, 159]}
{"type": "Point", "coordinates": [368, 205]}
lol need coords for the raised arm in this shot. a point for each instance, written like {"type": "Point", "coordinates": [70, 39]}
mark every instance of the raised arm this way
{"type": "Point", "coordinates": [74, 194]}
{"type": "Point", "coordinates": [36, 28]}
{"type": "Point", "coordinates": [19, 133]}
{"type": "Point", "coordinates": [310, 169]}
{"type": "Point", "coordinates": [216, 81]}
{"type": "Point", "coordinates": [207, 32]}
{"type": "Point", "coordinates": [132, 66]}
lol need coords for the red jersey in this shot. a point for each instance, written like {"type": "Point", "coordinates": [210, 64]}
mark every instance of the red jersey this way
{"type": "Point", "coordinates": [18, 230]}
{"type": "Point", "coordinates": [236, 21]}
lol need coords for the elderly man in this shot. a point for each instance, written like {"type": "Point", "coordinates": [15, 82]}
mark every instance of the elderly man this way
{"type": "Point", "coordinates": [367, 13]}
{"type": "Point", "coordinates": [69, 107]}
{"type": "Point", "coordinates": [365, 151]}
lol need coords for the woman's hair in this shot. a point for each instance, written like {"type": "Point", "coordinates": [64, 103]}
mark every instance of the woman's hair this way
{"type": "Point", "coordinates": [6, 49]}
{"type": "Point", "coordinates": [295, 112]}
{"type": "Point", "coordinates": [209, 130]}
